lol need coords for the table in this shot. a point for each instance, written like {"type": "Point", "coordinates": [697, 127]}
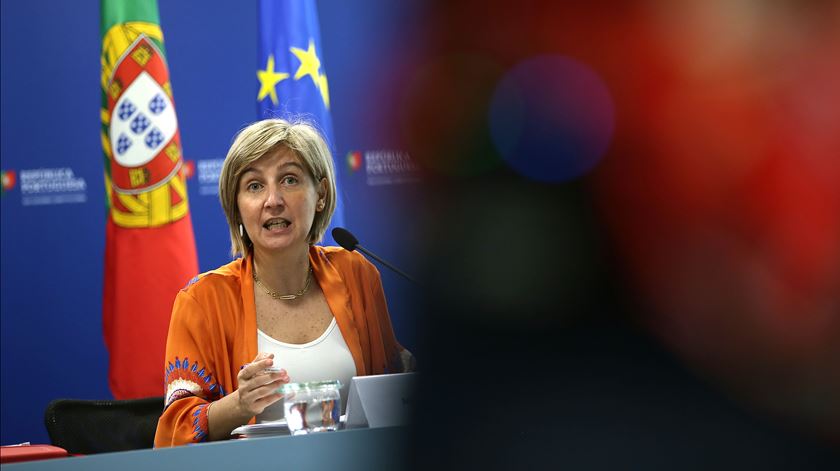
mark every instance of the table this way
{"type": "Point", "coordinates": [343, 450]}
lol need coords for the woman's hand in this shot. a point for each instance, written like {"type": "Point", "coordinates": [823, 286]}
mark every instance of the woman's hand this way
{"type": "Point", "coordinates": [258, 387]}
{"type": "Point", "coordinates": [257, 390]}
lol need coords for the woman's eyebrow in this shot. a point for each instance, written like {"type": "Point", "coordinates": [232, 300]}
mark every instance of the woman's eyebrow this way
{"type": "Point", "coordinates": [292, 164]}
{"type": "Point", "coordinates": [248, 170]}
{"type": "Point", "coordinates": [282, 166]}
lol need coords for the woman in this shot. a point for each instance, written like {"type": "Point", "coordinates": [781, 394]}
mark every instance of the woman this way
{"type": "Point", "coordinates": [287, 310]}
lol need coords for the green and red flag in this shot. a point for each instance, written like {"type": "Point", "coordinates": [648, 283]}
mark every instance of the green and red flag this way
{"type": "Point", "coordinates": [149, 245]}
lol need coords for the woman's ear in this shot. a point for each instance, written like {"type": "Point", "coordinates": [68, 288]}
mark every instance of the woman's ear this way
{"type": "Point", "coordinates": [322, 195]}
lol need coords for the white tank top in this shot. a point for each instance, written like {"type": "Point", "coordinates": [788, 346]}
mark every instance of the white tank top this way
{"type": "Point", "coordinates": [323, 359]}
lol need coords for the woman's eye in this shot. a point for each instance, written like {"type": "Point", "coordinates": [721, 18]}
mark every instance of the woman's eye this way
{"type": "Point", "coordinates": [290, 180]}
{"type": "Point", "coordinates": [254, 186]}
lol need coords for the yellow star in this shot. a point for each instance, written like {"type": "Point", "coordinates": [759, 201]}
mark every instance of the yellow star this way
{"type": "Point", "coordinates": [309, 62]}
{"type": "Point", "coordinates": [268, 81]}
{"type": "Point", "coordinates": [325, 91]}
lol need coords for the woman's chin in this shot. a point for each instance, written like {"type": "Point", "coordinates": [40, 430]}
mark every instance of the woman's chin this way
{"type": "Point", "coordinates": [280, 243]}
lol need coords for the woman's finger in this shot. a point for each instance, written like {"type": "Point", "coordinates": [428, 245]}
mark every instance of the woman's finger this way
{"type": "Point", "coordinates": [254, 368]}
{"type": "Point", "coordinates": [262, 383]}
{"type": "Point", "coordinates": [267, 389]}
{"type": "Point", "coordinates": [263, 378]}
{"type": "Point", "coordinates": [262, 356]}
{"type": "Point", "coordinates": [257, 399]}
{"type": "Point", "coordinates": [266, 401]}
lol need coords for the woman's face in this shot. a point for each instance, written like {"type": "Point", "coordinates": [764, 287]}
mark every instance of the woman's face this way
{"type": "Point", "coordinates": [277, 201]}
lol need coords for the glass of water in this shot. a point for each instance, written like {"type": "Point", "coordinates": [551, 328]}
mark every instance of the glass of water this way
{"type": "Point", "coordinates": [311, 407]}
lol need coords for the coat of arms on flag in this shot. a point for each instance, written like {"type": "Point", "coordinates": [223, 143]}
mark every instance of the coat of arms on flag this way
{"type": "Point", "coordinates": [140, 129]}
{"type": "Point", "coordinates": [143, 128]}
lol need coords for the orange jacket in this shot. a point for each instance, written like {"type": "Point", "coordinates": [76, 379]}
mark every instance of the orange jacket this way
{"type": "Point", "coordinates": [213, 334]}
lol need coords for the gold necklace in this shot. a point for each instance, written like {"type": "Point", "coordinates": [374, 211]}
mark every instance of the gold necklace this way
{"type": "Point", "coordinates": [286, 297]}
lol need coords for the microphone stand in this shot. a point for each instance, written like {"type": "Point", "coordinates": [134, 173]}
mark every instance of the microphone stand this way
{"type": "Point", "coordinates": [374, 256]}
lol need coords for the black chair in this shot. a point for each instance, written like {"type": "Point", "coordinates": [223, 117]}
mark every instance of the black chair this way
{"type": "Point", "coordinates": [87, 427]}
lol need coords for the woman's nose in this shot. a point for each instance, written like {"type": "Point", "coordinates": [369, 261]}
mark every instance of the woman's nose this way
{"type": "Point", "coordinates": [274, 197]}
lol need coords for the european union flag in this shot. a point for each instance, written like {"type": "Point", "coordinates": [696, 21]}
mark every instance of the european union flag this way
{"type": "Point", "coordinates": [292, 79]}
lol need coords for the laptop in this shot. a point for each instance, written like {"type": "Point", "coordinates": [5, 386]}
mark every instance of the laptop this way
{"type": "Point", "coordinates": [380, 400]}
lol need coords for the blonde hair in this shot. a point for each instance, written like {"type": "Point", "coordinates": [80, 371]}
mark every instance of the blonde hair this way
{"type": "Point", "coordinates": [259, 139]}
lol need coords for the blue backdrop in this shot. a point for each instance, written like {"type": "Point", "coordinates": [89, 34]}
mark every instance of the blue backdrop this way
{"type": "Point", "coordinates": [53, 207]}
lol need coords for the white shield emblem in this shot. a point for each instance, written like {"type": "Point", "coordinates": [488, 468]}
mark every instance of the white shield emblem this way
{"type": "Point", "coordinates": [143, 121]}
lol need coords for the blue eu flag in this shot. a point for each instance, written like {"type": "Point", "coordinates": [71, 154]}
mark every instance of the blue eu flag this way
{"type": "Point", "coordinates": [292, 79]}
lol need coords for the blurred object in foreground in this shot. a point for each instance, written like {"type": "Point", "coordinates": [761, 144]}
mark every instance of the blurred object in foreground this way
{"type": "Point", "coordinates": [552, 118]}
{"type": "Point", "coordinates": [724, 196]}
{"type": "Point", "coordinates": [711, 225]}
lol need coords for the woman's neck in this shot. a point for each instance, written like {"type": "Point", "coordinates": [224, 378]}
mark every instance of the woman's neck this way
{"type": "Point", "coordinates": [283, 272]}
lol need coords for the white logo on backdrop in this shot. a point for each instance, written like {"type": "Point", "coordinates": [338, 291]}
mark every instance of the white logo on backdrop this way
{"type": "Point", "coordinates": [208, 176]}
{"type": "Point", "coordinates": [386, 167]}
{"type": "Point", "coordinates": [44, 186]}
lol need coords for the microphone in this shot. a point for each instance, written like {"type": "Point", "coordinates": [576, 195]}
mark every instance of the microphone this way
{"type": "Point", "coordinates": [350, 243]}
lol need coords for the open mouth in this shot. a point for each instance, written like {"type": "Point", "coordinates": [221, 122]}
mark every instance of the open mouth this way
{"type": "Point", "coordinates": [277, 223]}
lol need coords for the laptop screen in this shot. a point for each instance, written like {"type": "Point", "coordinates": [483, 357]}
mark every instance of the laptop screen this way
{"type": "Point", "coordinates": [381, 400]}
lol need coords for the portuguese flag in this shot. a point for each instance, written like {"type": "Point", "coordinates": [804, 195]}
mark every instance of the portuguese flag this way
{"type": "Point", "coordinates": [149, 245]}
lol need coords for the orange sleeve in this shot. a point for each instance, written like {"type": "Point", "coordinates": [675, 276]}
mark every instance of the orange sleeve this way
{"type": "Point", "coordinates": [190, 375]}
{"type": "Point", "coordinates": [379, 322]}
